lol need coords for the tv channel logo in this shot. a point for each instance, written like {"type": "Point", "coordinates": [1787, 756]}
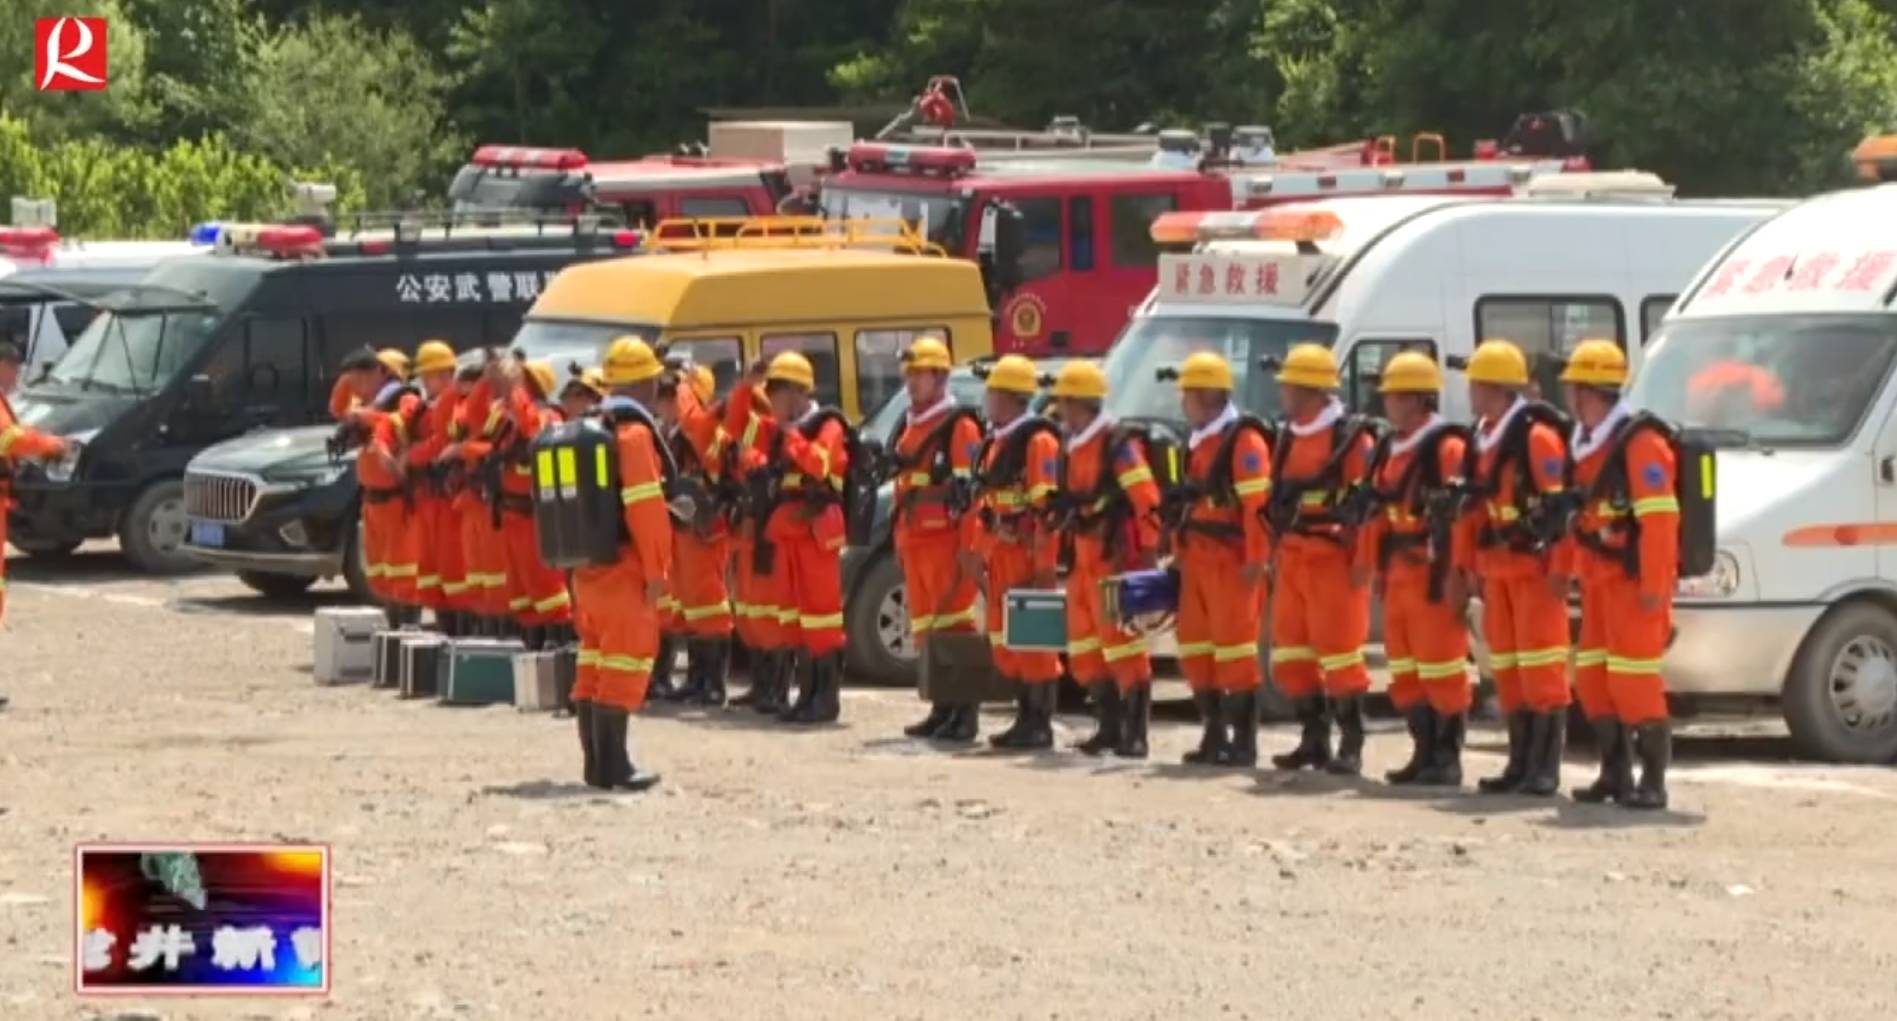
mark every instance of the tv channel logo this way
{"type": "Point", "coordinates": [202, 919]}
{"type": "Point", "coordinates": [69, 54]}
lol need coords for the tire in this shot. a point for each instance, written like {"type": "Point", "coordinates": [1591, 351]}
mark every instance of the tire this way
{"type": "Point", "coordinates": [355, 572]}
{"type": "Point", "coordinates": [1841, 695]}
{"type": "Point", "coordinates": [45, 549]}
{"type": "Point", "coordinates": [152, 533]}
{"type": "Point", "coordinates": [877, 620]}
{"type": "Point", "coordinates": [276, 586]}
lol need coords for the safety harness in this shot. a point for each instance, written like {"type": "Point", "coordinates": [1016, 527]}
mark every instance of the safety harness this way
{"type": "Point", "coordinates": [619, 414]}
{"type": "Point", "coordinates": [1535, 520]}
{"type": "Point", "coordinates": [928, 472]}
{"type": "Point", "coordinates": [1321, 505]}
{"type": "Point", "coordinates": [1219, 487]}
{"type": "Point", "coordinates": [1105, 510]}
{"type": "Point", "coordinates": [1422, 493]}
{"type": "Point", "coordinates": [1611, 496]}
{"type": "Point", "coordinates": [1001, 485]}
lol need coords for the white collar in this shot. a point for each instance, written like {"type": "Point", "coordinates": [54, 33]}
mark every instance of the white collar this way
{"type": "Point", "coordinates": [1491, 435]}
{"type": "Point", "coordinates": [1324, 420]}
{"type": "Point", "coordinates": [809, 413]}
{"type": "Point", "coordinates": [1586, 441]}
{"type": "Point", "coordinates": [1405, 444]}
{"type": "Point", "coordinates": [938, 408]}
{"type": "Point", "coordinates": [1214, 427]}
{"type": "Point", "coordinates": [1079, 439]}
{"type": "Point", "coordinates": [1017, 422]}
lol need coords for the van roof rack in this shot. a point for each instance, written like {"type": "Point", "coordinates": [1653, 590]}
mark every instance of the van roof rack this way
{"type": "Point", "coordinates": [789, 232]}
{"type": "Point", "coordinates": [385, 233]}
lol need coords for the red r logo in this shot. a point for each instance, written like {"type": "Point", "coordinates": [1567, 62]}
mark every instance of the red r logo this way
{"type": "Point", "coordinates": [69, 54]}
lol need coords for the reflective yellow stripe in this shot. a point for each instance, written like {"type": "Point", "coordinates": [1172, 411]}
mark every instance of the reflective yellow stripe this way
{"type": "Point", "coordinates": [400, 570]}
{"type": "Point", "coordinates": [917, 478]}
{"type": "Point", "coordinates": [1341, 660]}
{"type": "Point", "coordinates": [1590, 657]}
{"type": "Point", "coordinates": [1228, 653]}
{"type": "Point", "coordinates": [997, 639]}
{"type": "Point", "coordinates": [428, 581]}
{"type": "Point", "coordinates": [667, 603]}
{"type": "Point", "coordinates": [1125, 650]}
{"type": "Point", "coordinates": [1083, 647]}
{"type": "Point", "coordinates": [1542, 657]}
{"type": "Point", "coordinates": [1502, 660]}
{"type": "Point", "coordinates": [1403, 666]}
{"type": "Point", "coordinates": [1133, 477]}
{"type": "Point", "coordinates": [1437, 671]}
{"type": "Point", "coordinates": [1252, 487]}
{"type": "Point", "coordinates": [1042, 491]}
{"type": "Point", "coordinates": [8, 436]}
{"type": "Point", "coordinates": [643, 491]}
{"type": "Point", "coordinates": [828, 620]}
{"type": "Point", "coordinates": [1292, 653]}
{"type": "Point", "coordinates": [750, 433]}
{"type": "Point", "coordinates": [553, 602]}
{"type": "Point", "coordinates": [372, 570]}
{"type": "Point", "coordinates": [962, 473]}
{"type": "Point", "coordinates": [527, 470]}
{"type": "Point", "coordinates": [520, 603]}
{"type": "Point", "coordinates": [454, 588]}
{"type": "Point", "coordinates": [401, 425]}
{"type": "Point", "coordinates": [589, 657]}
{"type": "Point", "coordinates": [1622, 665]}
{"type": "Point", "coordinates": [918, 625]}
{"type": "Point", "coordinates": [1504, 512]}
{"type": "Point", "coordinates": [493, 420]}
{"type": "Point", "coordinates": [1656, 505]}
{"type": "Point", "coordinates": [966, 616]}
{"type": "Point", "coordinates": [625, 664]}
{"type": "Point", "coordinates": [786, 615]}
{"type": "Point", "coordinates": [1317, 499]}
{"type": "Point", "coordinates": [1195, 649]}
{"type": "Point", "coordinates": [707, 610]}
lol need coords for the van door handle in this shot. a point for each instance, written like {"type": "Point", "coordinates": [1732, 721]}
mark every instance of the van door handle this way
{"type": "Point", "coordinates": [1887, 470]}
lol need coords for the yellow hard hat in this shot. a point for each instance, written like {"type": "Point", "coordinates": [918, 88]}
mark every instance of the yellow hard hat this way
{"type": "Point", "coordinates": [590, 380]}
{"type": "Point", "coordinates": [1499, 362]}
{"type": "Point", "coordinates": [1204, 370]}
{"type": "Point", "coordinates": [1014, 374]}
{"type": "Point", "coordinates": [394, 361]}
{"type": "Point", "coordinates": [630, 360]}
{"type": "Point", "coordinates": [1411, 372]}
{"type": "Point", "coordinates": [1596, 363]}
{"type": "Point", "coordinates": [704, 384]}
{"type": "Point", "coordinates": [1311, 365]}
{"type": "Point", "coordinates": [1081, 379]}
{"type": "Point", "coordinates": [791, 367]}
{"type": "Point", "coordinates": [434, 356]}
{"type": "Point", "coordinates": [543, 377]}
{"type": "Point", "coordinates": [926, 354]}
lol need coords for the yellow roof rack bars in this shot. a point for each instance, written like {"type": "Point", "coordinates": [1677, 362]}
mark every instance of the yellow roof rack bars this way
{"type": "Point", "coordinates": [781, 232]}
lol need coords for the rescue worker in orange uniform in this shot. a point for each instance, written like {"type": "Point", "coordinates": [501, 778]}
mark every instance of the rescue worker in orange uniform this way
{"type": "Point", "coordinates": [1520, 486]}
{"type": "Point", "coordinates": [479, 419]}
{"type": "Point", "coordinates": [1223, 550]}
{"type": "Point", "coordinates": [582, 394]}
{"type": "Point", "coordinates": [1005, 529]}
{"type": "Point", "coordinates": [18, 443]}
{"type": "Point", "coordinates": [1413, 541]}
{"type": "Point", "coordinates": [470, 514]}
{"type": "Point", "coordinates": [1108, 506]}
{"type": "Point", "coordinates": [701, 548]}
{"type": "Point", "coordinates": [433, 534]}
{"type": "Point", "coordinates": [802, 448]}
{"type": "Point", "coordinates": [755, 596]}
{"type": "Point", "coordinates": [1627, 554]}
{"type": "Point", "coordinates": [1320, 614]}
{"type": "Point", "coordinates": [934, 467]}
{"type": "Point", "coordinates": [382, 404]}
{"type": "Point", "coordinates": [618, 619]}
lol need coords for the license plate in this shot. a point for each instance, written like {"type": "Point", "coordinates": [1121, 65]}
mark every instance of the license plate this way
{"type": "Point", "coordinates": [207, 533]}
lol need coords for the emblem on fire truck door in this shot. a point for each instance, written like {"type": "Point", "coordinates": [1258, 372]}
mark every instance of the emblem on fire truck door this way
{"type": "Point", "coordinates": [1027, 314]}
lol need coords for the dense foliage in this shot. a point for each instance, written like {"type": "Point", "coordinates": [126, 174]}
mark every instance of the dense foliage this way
{"type": "Point", "coordinates": [216, 104]}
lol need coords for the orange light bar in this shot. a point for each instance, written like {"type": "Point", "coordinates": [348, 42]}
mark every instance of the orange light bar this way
{"type": "Point", "coordinates": [1175, 228]}
{"type": "Point", "coordinates": [1876, 158]}
{"type": "Point", "coordinates": [1288, 226]}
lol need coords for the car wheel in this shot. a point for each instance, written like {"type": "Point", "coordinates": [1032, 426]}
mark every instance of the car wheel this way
{"type": "Point", "coordinates": [44, 549]}
{"type": "Point", "coordinates": [276, 586]}
{"type": "Point", "coordinates": [152, 534]}
{"type": "Point", "coordinates": [880, 647]}
{"type": "Point", "coordinates": [1841, 698]}
{"type": "Point", "coordinates": [355, 569]}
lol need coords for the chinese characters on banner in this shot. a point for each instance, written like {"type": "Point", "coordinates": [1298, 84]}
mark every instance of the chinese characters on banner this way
{"type": "Point", "coordinates": [473, 288]}
{"type": "Point", "coordinates": [1804, 278]}
{"type": "Point", "coordinates": [1216, 277]}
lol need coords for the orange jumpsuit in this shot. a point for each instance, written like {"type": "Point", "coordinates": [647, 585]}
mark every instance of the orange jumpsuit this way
{"type": "Point", "coordinates": [1097, 649]}
{"type": "Point", "coordinates": [1617, 668]}
{"type": "Point", "coordinates": [1220, 613]}
{"type": "Point", "coordinates": [754, 602]}
{"type": "Point", "coordinates": [1319, 621]}
{"type": "Point", "coordinates": [1427, 642]}
{"type": "Point", "coordinates": [928, 531]}
{"type": "Point", "coordinates": [700, 560]}
{"type": "Point", "coordinates": [618, 625]}
{"type": "Point", "coordinates": [435, 524]}
{"type": "Point", "coordinates": [387, 507]}
{"type": "Point", "coordinates": [1006, 528]}
{"type": "Point", "coordinates": [806, 583]}
{"type": "Point", "coordinates": [1523, 619]}
{"type": "Point", "coordinates": [536, 593]}
{"type": "Point", "coordinates": [484, 554]}
{"type": "Point", "coordinates": [17, 443]}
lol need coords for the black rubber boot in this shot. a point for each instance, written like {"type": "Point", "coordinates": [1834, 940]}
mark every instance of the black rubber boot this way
{"type": "Point", "coordinates": [693, 690]}
{"type": "Point", "coordinates": [1616, 782]}
{"type": "Point", "coordinates": [661, 688]}
{"type": "Point", "coordinates": [1510, 779]}
{"type": "Point", "coordinates": [583, 713]}
{"type": "Point", "coordinates": [801, 668]}
{"type": "Point", "coordinates": [939, 713]}
{"type": "Point", "coordinates": [1445, 751]}
{"type": "Point", "coordinates": [1214, 744]}
{"type": "Point", "coordinates": [1241, 716]}
{"type": "Point", "coordinates": [1547, 738]}
{"type": "Point", "coordinates": [534, 637]}
{"type": "Point", "coordinates": [1349, 758]}
{"type": "Point", "coordinates": [1107, 709]}
{"type": "Point", "coordinates": [716, 654]}
{"type": "Point", "coordinates": [610, 726]}
{"type": "Point", "coordinates": [821, 699]}
{"type": "Point", "coordinates": [1041, 700]}
{"type": "Point", "coordinates": [1314, 745]}
{"type": "Point", "coordinates": [770, 681]}
{"type": "Point", "coordinates": [1422, 724]}
{"type": "Point", "coordinates": [1138, 709]}
{"type": "Point", "coordinates": [755, 657]}
{"type": "Point", "coordinates": [1653, 742]}
{"type": "Point", "coordinates": [964, 724]}
{"type": "Point", "coordinates": [1008, 737]}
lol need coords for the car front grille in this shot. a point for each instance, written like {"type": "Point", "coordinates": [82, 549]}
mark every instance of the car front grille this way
{"type": "Point", "coordinates": [219, 497]}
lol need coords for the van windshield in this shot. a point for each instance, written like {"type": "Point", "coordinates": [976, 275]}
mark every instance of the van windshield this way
{"type": "Point", "coordinates": [132, 352]}
{"type": "Point", "coordinates": [1775, 380]}
{"type": "Point", "coordinates": [1158, 341]}
{"type": "Point", "coordinates": [564, 343]}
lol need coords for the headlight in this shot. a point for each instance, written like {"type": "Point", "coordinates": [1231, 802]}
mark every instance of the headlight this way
{"type": "Point", "coordinates": [66, 467]}
{"type": "Point", "coordinates": [1719, 583]}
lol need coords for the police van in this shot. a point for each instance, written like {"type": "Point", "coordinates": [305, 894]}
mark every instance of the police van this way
{"type": "Point", "coordinates": [1781, 353]}
{"type": "Point", "coordinates": [250, 338]}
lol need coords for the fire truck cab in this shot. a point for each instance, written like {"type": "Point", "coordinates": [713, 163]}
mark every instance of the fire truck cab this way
{"type": "Point", "coordinates": [642, 191]}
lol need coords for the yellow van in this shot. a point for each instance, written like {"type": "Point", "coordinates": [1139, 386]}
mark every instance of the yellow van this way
{"type": "Point", "coordinates": [851, 302]}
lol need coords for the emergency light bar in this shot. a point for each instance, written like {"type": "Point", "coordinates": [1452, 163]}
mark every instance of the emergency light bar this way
{"type": "Point", "coordinates": [28, 243]}
{"type": "Point", "coordinates": [1876, 158]}
{"type": "Point", "coordinates": [521, 157]}
{"type": "Point", "coordinates": [1266, 225]}
{"type": "Point", "coordinates": [937, 160]}
{"type": "Point", "coordinates": [280, 240]}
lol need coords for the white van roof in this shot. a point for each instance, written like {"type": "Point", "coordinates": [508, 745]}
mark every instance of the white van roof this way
{"type": "Point", "coordinates": [1831, 253]}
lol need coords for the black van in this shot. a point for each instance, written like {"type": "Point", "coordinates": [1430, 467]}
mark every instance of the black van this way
{"type": "Point", "coordinates": [210, 347]}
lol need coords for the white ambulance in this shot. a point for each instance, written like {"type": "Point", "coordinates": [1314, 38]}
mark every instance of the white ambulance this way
{"type": "Point", "coordinates": [1782, 350]}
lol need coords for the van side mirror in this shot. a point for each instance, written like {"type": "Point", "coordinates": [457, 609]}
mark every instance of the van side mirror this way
{"type": "Point", "coordinates": [199, 394]}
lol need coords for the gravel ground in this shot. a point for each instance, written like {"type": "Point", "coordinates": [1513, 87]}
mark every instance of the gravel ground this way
{"type": "Point", "coordinates": [844, 873]}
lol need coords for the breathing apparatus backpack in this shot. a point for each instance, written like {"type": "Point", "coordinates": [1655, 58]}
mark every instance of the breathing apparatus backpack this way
{"type": "Point", "coordinates": [1542, 519]}
{"type": "Point", "coordinates": [1694, 488]}
{"type": "Point", "coordinates": [1219, 485]}
{"type": "Point", "coordinates": [934, 456]}
{"type": "Point", "coordinates": [1424, 492]}
{"type": "Point", "coordinates": [578, 507]}
{"type": "Point", "coordinates": [1105, 509]}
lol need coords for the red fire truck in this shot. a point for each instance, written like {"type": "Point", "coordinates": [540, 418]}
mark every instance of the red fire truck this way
{"type": "Point", "coordinates": [644, 191]}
